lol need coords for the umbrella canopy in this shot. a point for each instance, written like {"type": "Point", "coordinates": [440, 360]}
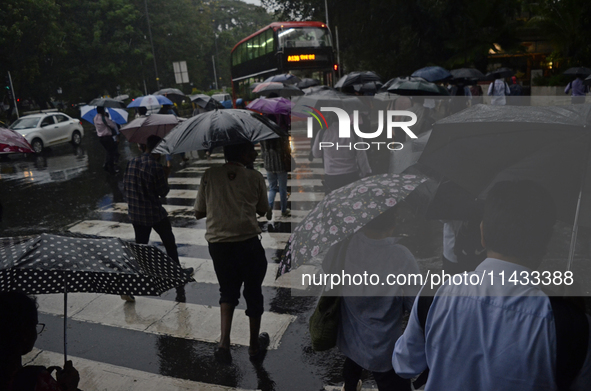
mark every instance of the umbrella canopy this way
{"type": "Point", "coordinates": [286, 78]}
{"type": "Point", "coordinates": [342, 213]}
{"type": "Point", "coordinates": [149, 101]}
{"type": "Point", "coordinates": [75, 263]}
{"type": "Point", "coordinates": [433, 74]}
{"type": "Point", "coordinates": [467, 73]}
{"type": "Point", "coordinates": [417, 88]}
{"type": "Point", "coordinates": [397, 80]}
{"type": "Point", "coordinates": [12, 142]}
{"type": "Point", "coordinates": [485, 144]}
{"type": "Point", "coordinates": [315, 89]}
{"type": "Point", "coordinates": [268, 88]}
{"type": "Point", "coordinates": [206, 102]}
{"type": "Point", "coordinates": [138, 130]}
{"type": "Point", "coordinates": [587, 81]}
{"type": "Point", "coordinates": [218, 128]}
{"type": "Point", "coordinates": [107, 102]}
{"type": "Point", "coordinates": [174, 94]}
{"type": "Point", "coordinates": [81, 263]}
{"type": "Point", "coordinates": [307, 82]}
{"type": "Point", "coordinates": [368, 88]}
{"type": "Point", "coordinates": [271, 106]}
{"type": "Point", "coordinates": [499, 73]}
{"type": "Point", "coordinates": [357, 78]}
{"type": "Point", "coordinates": [119, 116]}
{"type": "Point", "coordinates": [578, 71]}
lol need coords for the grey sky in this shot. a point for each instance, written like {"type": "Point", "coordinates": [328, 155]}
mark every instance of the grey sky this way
{"type": "Point", "coordinates": [255, 2]}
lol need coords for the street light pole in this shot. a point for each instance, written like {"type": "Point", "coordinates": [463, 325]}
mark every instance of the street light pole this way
{"type": "Point", "coordinates": [152, 43]}
{"type": "Point", "coordinates": [215, 76]}
{"type": "Point", "coordinates": [326, 11]}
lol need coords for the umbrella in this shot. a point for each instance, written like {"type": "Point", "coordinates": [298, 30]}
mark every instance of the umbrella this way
{"type": "Point", "coordinates": [286, 78]}
{"type": "Point", "coordinates": [326, 98]}
{"type": "Point", "coordinates": [149, 101]}
{"type": "Point", "coordinates": [342, 213]}
{"type": "Point", "coordinates": [314, 89]}
{"type": "Point", "coordinates": [397, 80]}
{"type": "Point", "coordinates": [307, 82]}
{"type": "Point", "coordinates": [268, 88]}
{"type": "Point", "coordinates": [80, 263]}
{"type": "Point", "coordinates": [417, 87]}
{"type": "Point", "coordinates": [138, 130]}
{"type": "Point", "coordinates": [271, 106]}
{"type": "Point", "coordinates": [467, 73]}
{"type": "Point", "coordinates": [499, 73]}
{"type": "Point", "coordinates": [368, 88]}
{"type": "Point", "coordinates": [174, 94]}
{"type": "Point", "coordinates": [485, 144]}
{"type": "Point", "coordinates": [206, 102]}
{"type": "Point", "coordinates": [578, 71]}
{"type": "Point", "coordinates": [218, 128]}
{"type": "Point", "coordinates": [587, 81]}
{"type": "Point", "coordinates": [119, 116]}
{"type": "Point", "coordinates": [433, 74]}
{"type": "Point", "coordinates": [13, 142]}
{"type": "Point", "coordinates": [357, 78]}
{"type": "Point", "coordinates": [107, 102]}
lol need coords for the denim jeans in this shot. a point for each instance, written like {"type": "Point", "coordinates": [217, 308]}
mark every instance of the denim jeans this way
{"type": "Point", "coordinates": [278, 183]}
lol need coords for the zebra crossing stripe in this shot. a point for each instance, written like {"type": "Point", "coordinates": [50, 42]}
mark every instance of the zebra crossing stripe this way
{"type": "Point", "coordinates": [175, 181]}
{"type": "Point", "coordinates": [150, 315]}
{"type": "Point", "coordinates": [295, 196]}
{"type": "Point", "coordinates": [191, 236]}
{"type": "Point", "coordinates": [95, 375]}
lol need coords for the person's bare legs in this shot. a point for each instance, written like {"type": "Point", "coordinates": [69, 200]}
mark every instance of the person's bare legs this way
{"type": "Point", "coordinates": [255, 327]}
{"type": "Point", "coordinates": [227, 313]}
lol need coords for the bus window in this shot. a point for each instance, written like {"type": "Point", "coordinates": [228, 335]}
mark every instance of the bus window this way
{"type": "Point", "coordinates": [304, 37]}
{"type": "Point", "coordinates": [269, 40]}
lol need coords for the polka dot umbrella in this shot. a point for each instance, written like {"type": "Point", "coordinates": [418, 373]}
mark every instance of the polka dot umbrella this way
{"type": "Point", "coordinates": [80, 263]}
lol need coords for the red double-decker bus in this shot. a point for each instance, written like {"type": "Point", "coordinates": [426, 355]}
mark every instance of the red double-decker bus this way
{"type": "Point", "coordinates": [301, 48]}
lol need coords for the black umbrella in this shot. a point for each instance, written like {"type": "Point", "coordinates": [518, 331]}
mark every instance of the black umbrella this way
{"type": "Point", "coordinates": [433, 74]}
{"type": "Point", "coordinates": [286, 78]}
{"type": "Point", "coordinates": [305, 83]}
{"type": "Point", "coordinates": [107, 102]}
{"type": "Point", "coordinates": [499, 73]}
{"type": "Point", "coordinates": [398, 80]}
{"type": "Point", "coordinates": [467, 73]}
{"type": "Point", "coordinates": [578, 71]}
{"type": "Point", "coordinates": [218, 128]}
{"type": "Point", "coordinates": [206, 102]}
{"type": "Point", "coordinates": [280, 89]}
{"type": "Point", "coordinates": [81, 263]}
{"type": "Point", "coordinates": [357, 78]}
{"type": "Point", "coordinates": [368, 88]}
{"type": "Point", "coordinates": [484, 144]}
{"type": "Point", "coordinates": [174, 94]}
{"type": "Point", "coordinates": [587, 81]}
{"type": "Point", "coordinates": [417, 88]}
{"type": "Point", "coordinates": [315, 89]}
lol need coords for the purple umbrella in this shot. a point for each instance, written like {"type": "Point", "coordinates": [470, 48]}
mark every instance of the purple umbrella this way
{"type": "Point", "coordinates": [138, 130]}
{"type": "Point", "coordinates": [271, 106]}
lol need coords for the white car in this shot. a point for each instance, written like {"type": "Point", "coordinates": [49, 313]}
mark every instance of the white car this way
{"type": "Point", "coordinates": [49, 129]}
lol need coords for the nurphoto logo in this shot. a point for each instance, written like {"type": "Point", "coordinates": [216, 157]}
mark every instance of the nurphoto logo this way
{"type": "Point", "coordinates": [402, 119]}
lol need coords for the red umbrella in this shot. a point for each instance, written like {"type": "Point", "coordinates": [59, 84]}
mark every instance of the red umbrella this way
{"type": "Point", "coordinates": [138, 130]}
{"type": "Point", "coordinates": [12, 142]}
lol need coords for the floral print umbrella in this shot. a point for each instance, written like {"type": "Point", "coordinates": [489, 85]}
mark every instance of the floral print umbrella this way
{"type": "Point", "coordinates": [342, 213]}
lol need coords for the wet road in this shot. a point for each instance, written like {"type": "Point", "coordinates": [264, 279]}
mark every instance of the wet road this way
{"type": "Point", "coordinates": [158, 338]}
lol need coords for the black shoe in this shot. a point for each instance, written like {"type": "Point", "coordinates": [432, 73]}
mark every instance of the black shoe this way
{"type": "Point", "coordinates": [222, 355]}
{"type": "Point", "coordinates": [180, 295]}
{"type": "Point", "coordinates": [264, 341]}
{"type": "Point", "coordinates": [189, 271]}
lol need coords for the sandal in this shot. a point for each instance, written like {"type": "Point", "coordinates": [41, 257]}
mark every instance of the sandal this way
{"type": "Point", "coordinates": [264, 341]}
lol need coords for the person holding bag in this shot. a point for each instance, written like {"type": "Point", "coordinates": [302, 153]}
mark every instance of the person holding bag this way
{"type": "Point", "coordinates": [106, 129]}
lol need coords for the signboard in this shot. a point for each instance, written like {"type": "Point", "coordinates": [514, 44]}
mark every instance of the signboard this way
{"type": "Point", "coordinates": [301, 57]}
{"type": "Point", "coordinates": [181, 75]}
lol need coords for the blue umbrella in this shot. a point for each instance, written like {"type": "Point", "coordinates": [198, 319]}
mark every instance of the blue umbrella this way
{"type": "Point", "coordinates": [119, 116]}
{"type": "Point", "coordinates": [150, 101]}
{"type": "Point", "coordinates": [433, 74]}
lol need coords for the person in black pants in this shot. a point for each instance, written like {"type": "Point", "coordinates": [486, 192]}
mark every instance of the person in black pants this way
{"type": "Point", "coordinates": [106, 129]}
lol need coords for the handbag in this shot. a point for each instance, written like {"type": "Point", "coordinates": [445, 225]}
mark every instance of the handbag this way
{"type": "Point", "coordinates": [324, 323]}
{"type": "Point", "coordinates": [113, 131]}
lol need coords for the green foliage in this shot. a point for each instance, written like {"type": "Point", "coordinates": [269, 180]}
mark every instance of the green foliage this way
{"type": "Point", "coordinates": [90, 48]}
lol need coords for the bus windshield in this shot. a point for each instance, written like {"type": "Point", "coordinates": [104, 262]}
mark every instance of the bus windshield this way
{"type": "Point", "coordinates": [296, 37]}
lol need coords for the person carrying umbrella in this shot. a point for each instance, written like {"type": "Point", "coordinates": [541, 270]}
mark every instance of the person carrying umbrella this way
{"type": "Point", "coordinates": [577, 89]}
{"type": "Point", "coordinates": [18, 332]}
{"type": "Point", "coordinates": [498, 89]}
{"type": "Point", "coordinates": [231, 196]}
{"type": "Point", "coordinates": [106, 129]}
{"type": "Point", "coordinates": [145, 184]}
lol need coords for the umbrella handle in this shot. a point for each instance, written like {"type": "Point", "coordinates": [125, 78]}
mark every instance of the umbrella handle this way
{"type": "Point", "coordinates": [65, 322]}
